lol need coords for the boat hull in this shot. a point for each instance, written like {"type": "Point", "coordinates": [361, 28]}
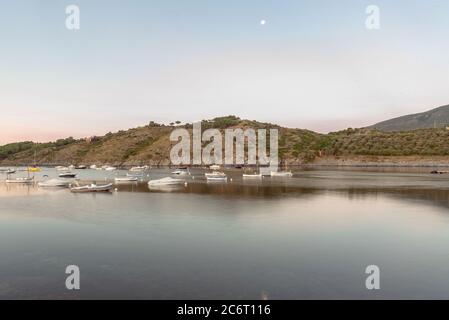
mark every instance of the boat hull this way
{"type": "Point", "coordinates": [92, 189]}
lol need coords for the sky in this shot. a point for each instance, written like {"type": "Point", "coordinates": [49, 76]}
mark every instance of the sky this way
{"type": "Point", "coordinates": [313, 63]}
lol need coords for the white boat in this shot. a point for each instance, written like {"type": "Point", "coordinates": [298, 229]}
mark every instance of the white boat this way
{"type": "Point", "coordinates": [10, 171]}
{"type": "Point", "coordinates": [281, 174]}
{"type": "Point", "coordinates": [67, 175]}
{"type": "Point", "coordinates": [139, 169]}
{"type": "Point", "coordinates": [126, 179]}
{"type": "Point", "coordinates": [62, 168]}
{"type": "Point", "coordinates": [81, 167]}
{"type": "Point", "coordinates": [20, 180]}
{"type": "Point", "coordinates": [108, 168]}
{"type": "Point", "coordinates": [54, 183]}
{"type": "Point", "coordinates": [216, 176]}
{"type": "Point", "coordinates": [92, 188]}
{"type": "Point", "coordinates": [214, 167]}
{"type": "Point", "coordinates": [135, 174]}
{"type": "Point", "coordinates": [165, 181]}
{"type": "Point", "coordinates": [252, 176]}
{"type": "Point", "coordinates": [181, 172]}
{"type": "Point", "coordinates": [94, 167]}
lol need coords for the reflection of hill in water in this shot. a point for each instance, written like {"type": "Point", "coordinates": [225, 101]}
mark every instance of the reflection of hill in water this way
{"type": "Point", "coordinates": [351, 184]}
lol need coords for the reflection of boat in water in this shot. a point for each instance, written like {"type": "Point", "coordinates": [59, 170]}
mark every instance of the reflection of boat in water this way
{"type": "Point", "coordinates": [92, 188]}
{"type": "Point", "coordinates": [54, 183]}
{"type": "Point", "coordinates": [165, 182]}
{"type": "Point", "coordinates": [67, 175]}
{"type": "Point", "coordinates": [126, 179]}
{"type": "Point", "coordinates": [216, 176]}
{"type": "Point", "coordinates": [166, 188]}
{"type": "Point", "coordinates": [20, 180]}
{"type": "Point", "coordinates": [281, 174]}
{"type": "Point", "coordinates": [252, 176]}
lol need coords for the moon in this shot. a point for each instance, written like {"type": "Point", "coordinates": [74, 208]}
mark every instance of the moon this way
{"type": "Point", "coordinates": [262, 22]}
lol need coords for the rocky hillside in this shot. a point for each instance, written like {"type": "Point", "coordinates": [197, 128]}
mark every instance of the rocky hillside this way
{"type": "Point", "coordinates": [435, 118]}
{"type": "Point", "coordinates": [150, 145]}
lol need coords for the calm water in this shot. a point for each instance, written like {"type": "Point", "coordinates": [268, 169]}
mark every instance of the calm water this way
{"type": "Point", "coordinates": [310, 236]}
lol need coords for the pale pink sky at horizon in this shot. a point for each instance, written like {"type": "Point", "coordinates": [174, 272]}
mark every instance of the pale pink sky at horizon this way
{"type": "Point", "coordinates": [17, 134]}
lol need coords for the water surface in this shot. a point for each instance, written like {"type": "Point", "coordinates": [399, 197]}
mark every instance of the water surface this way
{"type": "Point", "coordinates": [310, 236]}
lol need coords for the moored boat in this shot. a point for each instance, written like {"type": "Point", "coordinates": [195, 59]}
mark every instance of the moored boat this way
{"type": "Point", "coordinates": [216, 176]}
{"type": "Point", "coordinates": [181, 172]}
{"type": "Point", "coordinates": [126, 179]}
{"type": "Point", "coordinates": [20, 180]}
{"type": "Point", "coordinates": [92, 188]}
{"type": "Point", "coordinates": [139, 168]}
{"type": "Point", "coordinates": [281, 174]}
{"type": "Point", "coordinates": [67, 175]}
{"type": "Point", "coordinates": [252, 176]}
{"type": "Point", "coordinates": [165, 181]}
{"type": "Point", "coordinates": [135, 174]}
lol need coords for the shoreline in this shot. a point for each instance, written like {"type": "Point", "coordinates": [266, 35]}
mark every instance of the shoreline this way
{"type": "Point", "coordinates": [324, 161]}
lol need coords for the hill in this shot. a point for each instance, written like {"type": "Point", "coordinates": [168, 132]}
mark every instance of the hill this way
{"type": "Point", "coordinates": [150, 145]}
{"type": "Point", "coordinates": [435, 118]}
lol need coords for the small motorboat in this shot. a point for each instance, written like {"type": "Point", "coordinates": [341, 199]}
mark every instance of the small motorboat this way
{"type": "Point", "coordinates": [108, 168]}
{"type": "Point", "coordinates": [67, 175]}
{"type": "Point", "coordinates": [126, 179]}
{"type": "Point", "coordinates": [135, 174]}
{"type": "Point", "coordinates": [93, 167]}
{"type": "Point", "coordinates": [181, 172]}
{"type": "Point", "coordinates": [20, 180]}
{"type": "Point", "coordinates": [54, 183]}
{"type": "Point", "coordinates": [34, 169]}
{"type": "Point", "coordinates": [165, 181]}
{"type": "Point", "coordinates": [281, 174]}
{"type": "Point", "coordinates": [252, 176]}
{"type": "Point", "coordinates": [92, 188]}
{"type": "Point", "coordinates": [139, 169]}
{"type": "Point", "coordinates": [81, 167]}
{"type": "Point", "coordinates": [216, 176]}
{"type": "Point", "coordinates": [439, 172]}
{"type": "Point", "coordinates": [10, 171]}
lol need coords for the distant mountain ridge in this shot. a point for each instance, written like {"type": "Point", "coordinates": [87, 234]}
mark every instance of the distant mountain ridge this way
{"type": "Point", "coordinates": [435, 118]}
